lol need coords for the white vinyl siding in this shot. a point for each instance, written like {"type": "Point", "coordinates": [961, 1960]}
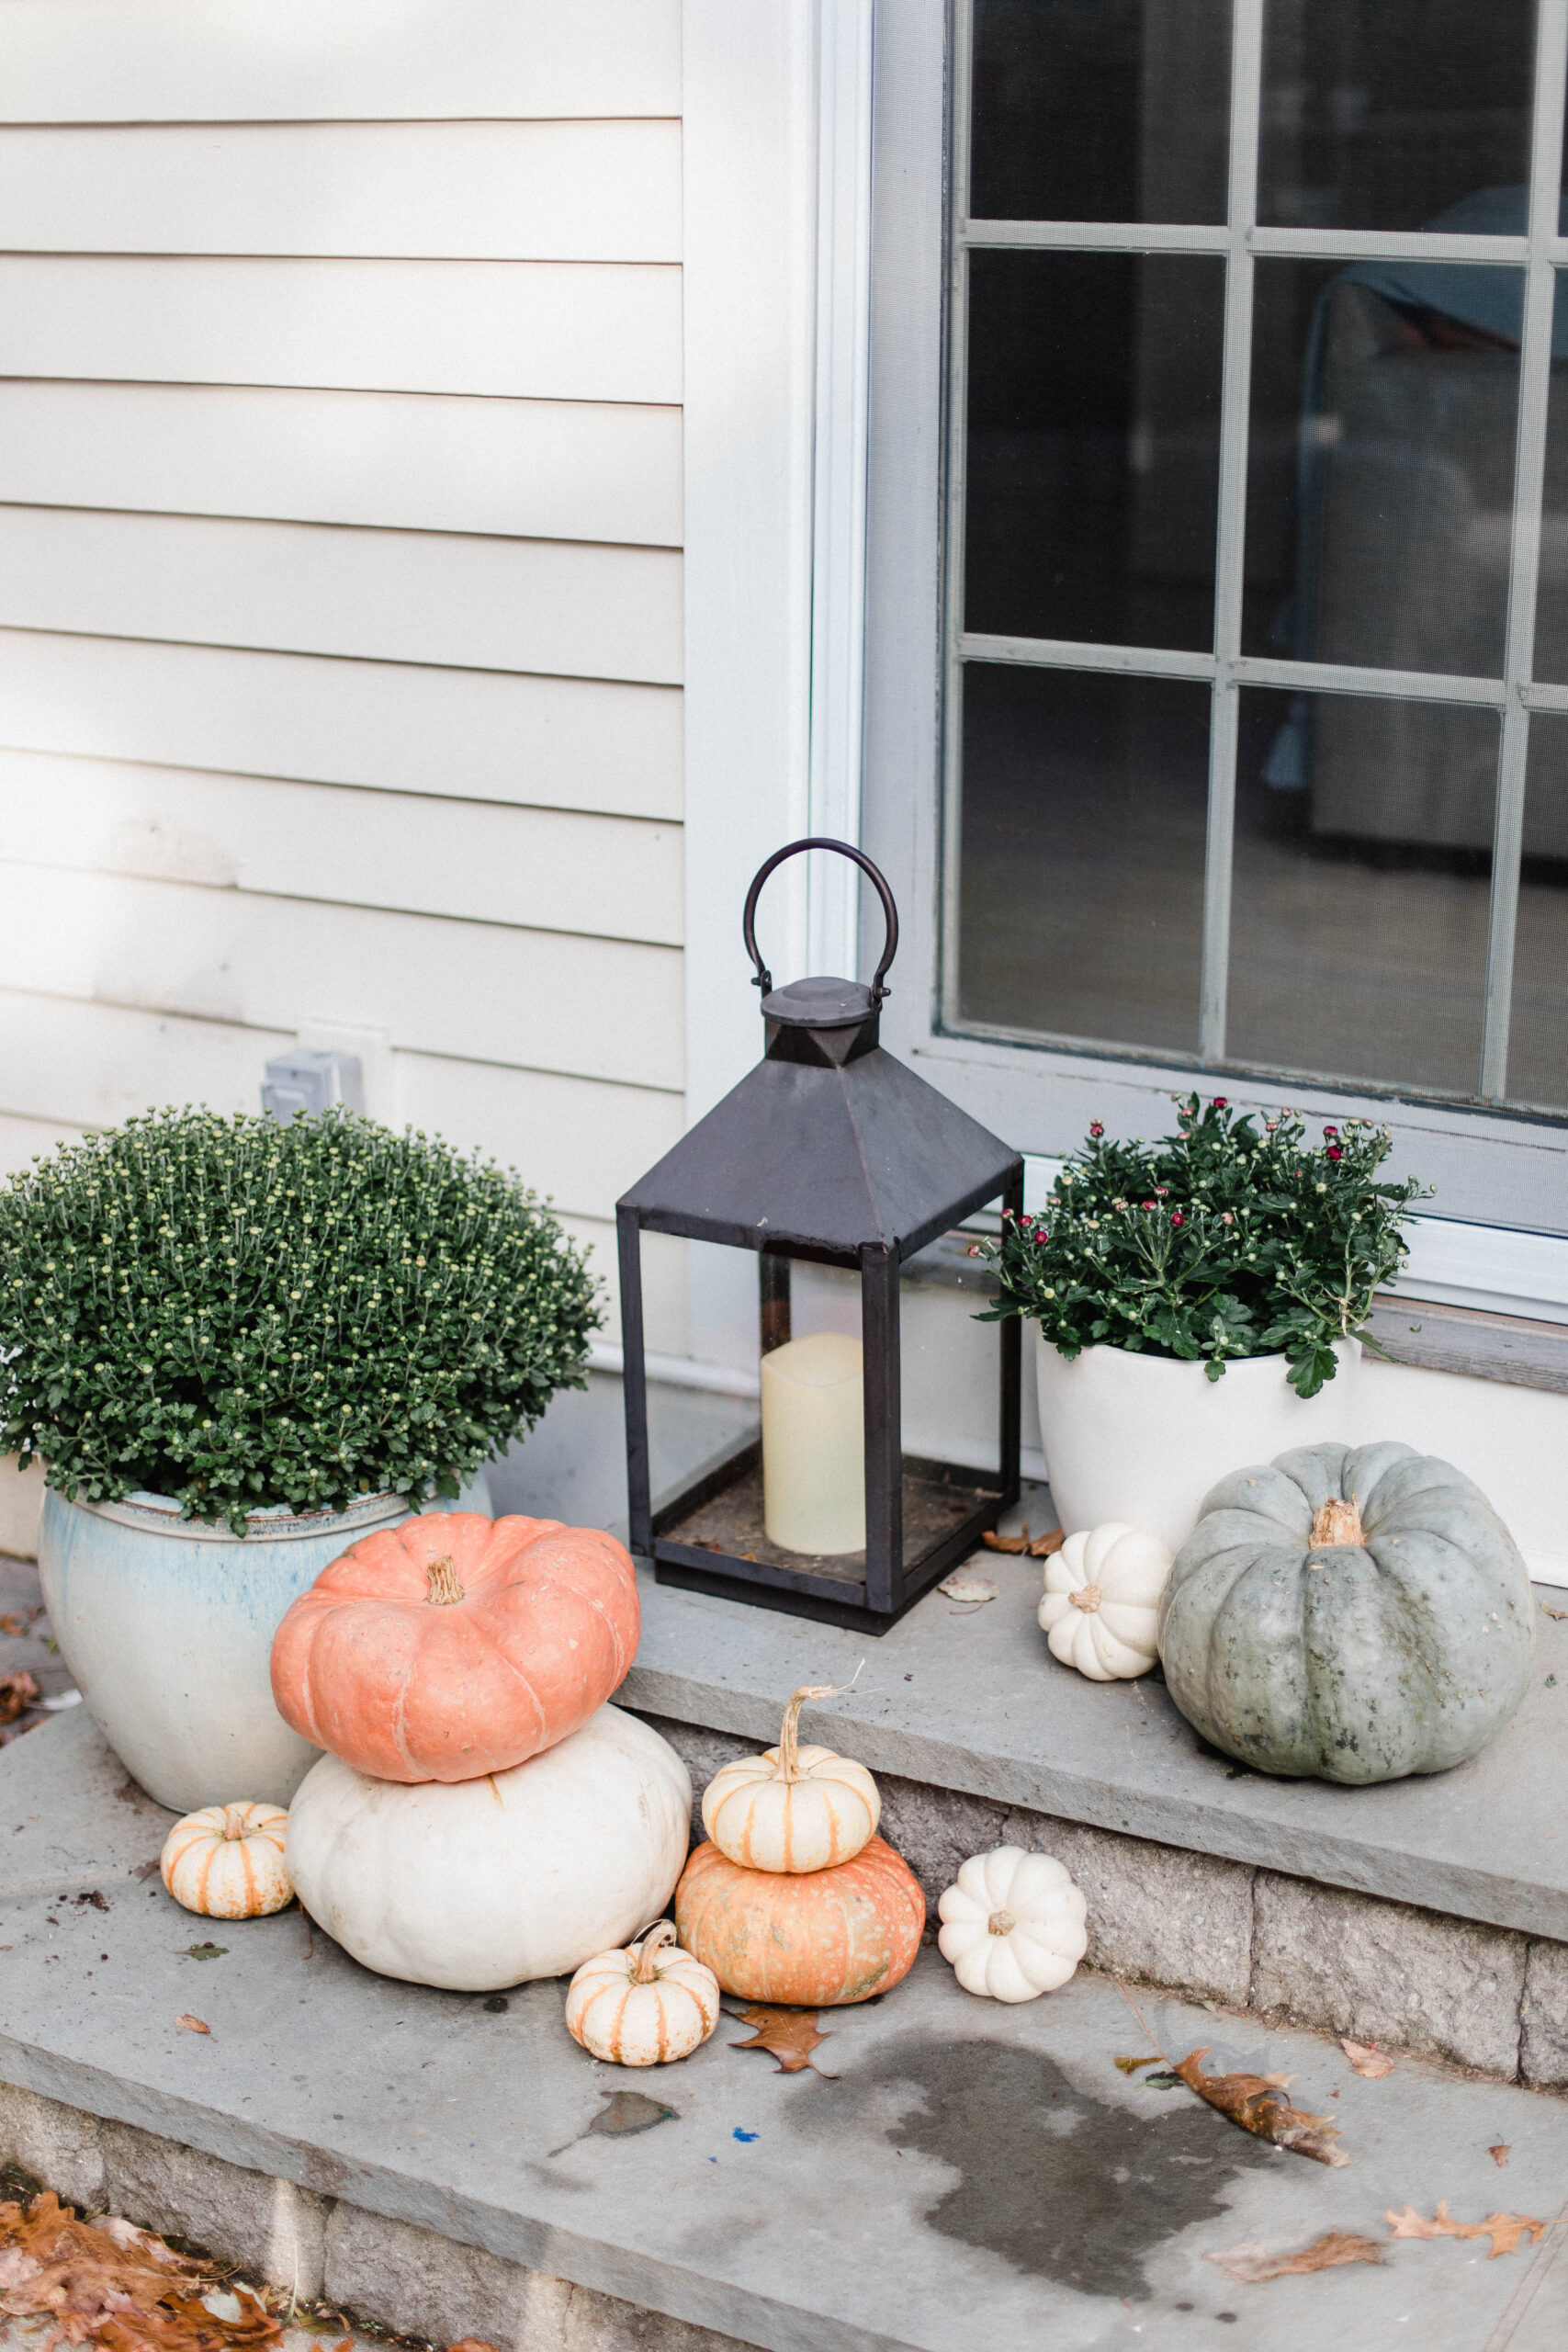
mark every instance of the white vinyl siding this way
{"type": "Point", "coordinates": [340, 574]}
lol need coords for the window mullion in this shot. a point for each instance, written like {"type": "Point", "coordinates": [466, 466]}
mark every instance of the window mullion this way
{"type": "Point", "coordinates": [1524, 569]}
{"type": "Point", "coordinates": [1246, 76]}
{"type": "Point", "coordinates": [955, 511]}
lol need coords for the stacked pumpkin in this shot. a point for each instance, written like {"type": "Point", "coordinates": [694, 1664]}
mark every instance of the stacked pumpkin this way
{"type": "Point", "coordinates": [481, 1816]}
{"type": "Point", "coordinates": [794, 1898]}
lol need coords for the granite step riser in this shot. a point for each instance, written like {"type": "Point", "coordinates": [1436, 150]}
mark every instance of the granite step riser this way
{"type": "Point", "coordinates": [1290, 1950]}
{"type": "Point", "coordinates": [402, 2280]}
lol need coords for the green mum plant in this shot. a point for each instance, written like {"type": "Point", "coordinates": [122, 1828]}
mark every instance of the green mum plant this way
{"type": "Point", "coordinates": [240, 1314]}
{"type": "Point", "coordinates": [1229, 1238]}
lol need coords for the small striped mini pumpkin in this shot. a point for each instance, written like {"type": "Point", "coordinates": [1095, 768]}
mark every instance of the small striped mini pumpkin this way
{"type": "Point", "coordinates": [226, 1861]}
{"type": "Point", "coordinates": [643, 2007]}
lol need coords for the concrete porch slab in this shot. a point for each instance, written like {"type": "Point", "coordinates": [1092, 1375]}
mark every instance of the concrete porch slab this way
{"type": "Point", "coordinates": [970, 1699]}
{"type": "Point", "coordinates": [973, 2174]}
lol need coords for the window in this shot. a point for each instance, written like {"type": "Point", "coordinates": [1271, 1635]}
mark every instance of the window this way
{"type": "Point", "coordinates": [1254, 562]}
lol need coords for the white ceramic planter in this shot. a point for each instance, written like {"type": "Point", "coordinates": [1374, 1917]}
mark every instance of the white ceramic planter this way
{"type": "Point", "coordinates": [1144, 1438]}
{"type": "Point", "coordinates": [166, 1625]}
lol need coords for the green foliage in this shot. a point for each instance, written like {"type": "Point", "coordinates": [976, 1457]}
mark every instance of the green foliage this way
{"type": "Point", "coordinates": [1224, 1239]}
{"type": "Point", "coordinates": [237, 1313]}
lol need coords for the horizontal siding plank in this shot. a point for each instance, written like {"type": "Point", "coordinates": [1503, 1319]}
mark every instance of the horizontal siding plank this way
{"type": "Point", "coordinates": [166, 61]}
{"type": "Point", "coordinates": [542, 470]}
{"type": "Point", "coordinates": [604, 876]}
{"type": "Point", "coordinates": [554, 742]}
{"type": "Point", "coordinates": [526, 604]}
{"type": "Point", "coordinates": [85, 1065]}
{"type": "Point", "coordinates": [591, 1008]}
{"type": "Point", "coordinates": [570, 331]}
{"type": "Point", "coordinates": [22, 1140]}
{"type": "Point", "coordinates": [487, 191]}
{"type": "Point", "coordinates": [579, 1145]}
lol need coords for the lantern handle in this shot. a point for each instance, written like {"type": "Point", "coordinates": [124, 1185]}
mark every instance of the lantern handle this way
{"type": "Point", "coordinates": [763, 979]}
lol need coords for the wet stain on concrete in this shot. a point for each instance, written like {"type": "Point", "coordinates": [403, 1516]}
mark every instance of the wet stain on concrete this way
{"type": "Point", "coordinates": [1067, 2186]}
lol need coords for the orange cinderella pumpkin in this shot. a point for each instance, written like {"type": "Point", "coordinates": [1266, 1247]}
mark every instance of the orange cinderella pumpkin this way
{"type": "Point", "coordinates": [453, 1645]}
{"type": "Point", "coordinates": [817, 1939]}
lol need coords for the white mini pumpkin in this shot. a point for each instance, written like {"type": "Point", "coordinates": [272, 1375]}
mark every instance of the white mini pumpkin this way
{"type": "Point", "coordinates": [226, 1861]}
{"type": "Point", "coordinates": [793, 1809]}
{"type": "Point", "coordinates": [644, 2006]}
{"type": "Point", "coordinates": [1013, 1925]}
{"type": "Point", "coordinates": [475, 1884]}
{"type": "Point", "coordinates": [1102, 1602]}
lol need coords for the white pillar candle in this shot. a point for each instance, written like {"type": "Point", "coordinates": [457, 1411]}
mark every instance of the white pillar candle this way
{"type": "Point", "coordinates": [814, 1445]}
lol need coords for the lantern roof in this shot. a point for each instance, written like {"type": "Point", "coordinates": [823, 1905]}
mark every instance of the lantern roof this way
{"type": "Point", "coordinates": [824, 1155]}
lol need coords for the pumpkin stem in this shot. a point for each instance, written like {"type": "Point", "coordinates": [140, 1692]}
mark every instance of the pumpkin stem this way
{"type": "Point", "coordinates": [659, 1936]}
{"type": "Point", "coordinates": [444, 1585]}
{"type": "Point", "coordinates": [1001, 1923]}
{"type": "Point", "coordinates": [1338, 1523]}
{"type": "Point", "coordinates": [787, 1767]}
{"type": "Point", "coordinates": [1086, 1598]}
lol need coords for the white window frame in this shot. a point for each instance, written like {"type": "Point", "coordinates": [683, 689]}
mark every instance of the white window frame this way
{"type": "Point", "coordinates": [817, 305]}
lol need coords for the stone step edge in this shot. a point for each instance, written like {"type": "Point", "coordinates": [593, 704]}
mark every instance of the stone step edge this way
{"type": "Point", "coordinates": [1492, 2000]}
{"type": "Point", "coordinates": [410, 2281]}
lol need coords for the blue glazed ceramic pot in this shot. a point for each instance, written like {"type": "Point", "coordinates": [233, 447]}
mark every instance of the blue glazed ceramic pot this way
{"type": "Point", "coordinates": [166, 1625]}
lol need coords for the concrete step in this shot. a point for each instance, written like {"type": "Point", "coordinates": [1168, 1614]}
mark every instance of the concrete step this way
{"type": "Point", "coordinates": [958, 2173]}
{"type": "Point", "coordinates": [1430, 1913]}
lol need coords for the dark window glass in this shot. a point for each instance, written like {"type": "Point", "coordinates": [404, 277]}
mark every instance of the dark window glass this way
{"type": "Point", "coordinates": [1093, 446]}
{"type": "Point", "coordinates": [1381, 464]}
{"type": "Point", "coordinates": [1538, 1033]}
{"type": "Point", "coordinates": [1084, 808]}
{"type": "Point", "coordinates": [1101, 110]}
{"type": "Point", "coordinates": [1551, 606]}
{"type": "Point", "coordinates": [1363, 857]}
{"type": "Point", "coordinates": [1395, 114]}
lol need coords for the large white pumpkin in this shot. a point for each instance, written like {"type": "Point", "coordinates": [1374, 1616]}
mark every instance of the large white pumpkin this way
{"type": "Point", "coordinates": [475, 1884]}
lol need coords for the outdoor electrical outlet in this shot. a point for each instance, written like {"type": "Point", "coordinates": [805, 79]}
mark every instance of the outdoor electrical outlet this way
{"type": "Point", "coordinates": [310, 1081]}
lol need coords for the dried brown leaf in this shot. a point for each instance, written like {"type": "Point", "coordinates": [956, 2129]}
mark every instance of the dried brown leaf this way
{"type": "Point", "coordinates": [1368, 2059]}
{"type": "Point", "coordinates": [1254, 2101]}
{"type": "Point", "coordinates": [192, 2025]}
{"type": "Point", "coordinates": [111, 2284]}
{"type": "Point", "coordinates": [1005, 1542]}
{"type": "Point", "coordinates": [1499, 2155]}
{"type": "Point", "coordinates": [1252, 2263]}
{"type": "Point", "coordinates": [471, 2344]}
{"type": "Point", "coordinates": [1547, 1611]}
{"type": "Point", "coordinates": [1505, 2230]}
{"type": "Point", "coordinates": [788, 2035]}
{"type": "Point", "coordinates": [962, 1585]}
{"type": "Point", "coordinates": [1038, 1549]}
{"type": "Point", "coordinates": [1044, 1545]}
{"type": "Point", "coordinates": [17, 1693]}
{"type": "Point", "coordinates": [1131, 2065]}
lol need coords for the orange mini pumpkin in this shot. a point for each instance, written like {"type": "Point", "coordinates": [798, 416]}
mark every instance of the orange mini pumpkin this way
{"type": "Point", "coordinates": [817, 1940]}
{"type": "Point", "coordinates": [455, 1645]}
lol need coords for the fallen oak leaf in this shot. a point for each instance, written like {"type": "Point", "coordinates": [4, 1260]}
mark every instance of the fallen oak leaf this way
{"type": "Point", "coordinates": [1368, 2059]}
{"type": "Point", "coordinates": [1505, 2230]}
{"type": "Point", "coordinates": [1044, 1545]}
{"type": "Point", "coordinates": [1252, 2263]}
{"type": "Point", "coordinates": [994, 1542]}
{"type": "Point", "coordinates": [192, 2025]}
{"type": "Point", "coordinates": [1500, 2154]}
{"type": "Point", "coordinates": [788, 2035]}
{"type": "Point", "coordinates": [1254, 2101]}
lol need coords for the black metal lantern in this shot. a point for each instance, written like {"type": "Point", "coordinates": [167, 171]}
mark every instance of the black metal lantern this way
{"type": "Point", "coordinates": [829, 1155]}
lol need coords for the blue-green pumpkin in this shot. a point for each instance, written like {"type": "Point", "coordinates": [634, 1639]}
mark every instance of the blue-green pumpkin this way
{"type": "Point", "coordinates": [1348, 1613]}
